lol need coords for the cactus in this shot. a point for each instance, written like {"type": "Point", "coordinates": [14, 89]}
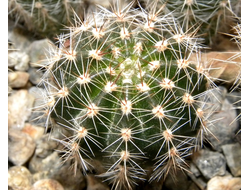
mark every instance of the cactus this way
{"type": "Point", "coordinates": [206, 18]}
{"type": "Point", "coordinates": [121, 84]}
{"type": "Point", "coordinates": [45, 18]}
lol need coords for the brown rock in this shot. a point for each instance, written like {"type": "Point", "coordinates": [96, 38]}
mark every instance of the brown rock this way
{"type": "Point", "coordinates": [224, 183]}
{"type": "Point", "coordinates": [35, 132]}
{"type": "Point", "coordinates": [20, 146]}
{"type": "Point", "coordinates": [19, 108]}
{"type": "Point", "coordinates": [19, 178]}
{"type": "Point", "coordinates": [47, 184]}
{"type": "Point", "coordinates": [221, 65]}
{"type": "Point", "coordinates": [18, 79]}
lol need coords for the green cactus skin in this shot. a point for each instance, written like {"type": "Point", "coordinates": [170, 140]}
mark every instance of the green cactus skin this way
{"type": "Point", "coordinates": [121, 84]}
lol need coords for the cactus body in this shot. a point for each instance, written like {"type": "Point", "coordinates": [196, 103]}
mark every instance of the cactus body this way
{"type": "Point", "coordinates": [45, 18]}
{"type": "Point", "coordinates": [121, 84]}
{"type": "Point", "coordinates": [206, 18]}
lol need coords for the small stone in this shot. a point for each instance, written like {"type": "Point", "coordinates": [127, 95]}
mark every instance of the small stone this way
{"type": "Point", "coordinates": [38, 93]}
{"type": "Point", "coordinates": [39, 115]}
{"type": "Point", "coordinates": [228, 70]}
{"type": "Point", "coordinates": [210, 163]}
{"type": "Point", "coordinates": [18, 79]}
{"type": "Point", "coordinates": [19, 108]}
{"type": "Point", "coordinates": [19, 178]}
{"type": "Point", "coordinates": [45, 146]}
{"type": "Point", "coordinates": [234, 98]}
{"type": "Point", "coordinates": [38, 164]}
{"type": "Point", "coordinates": [238, 136]}
{"type": "Point", "coordinates": [214, 98]}
{"type": "Point", "coordinates": [222, 123]}
{"type": "Point", "coordinates": [40, 175]}
{"type": "Point", "coordinates": [35, 132]}
{"type": "Point", "coordinates": [67, 177]}
{"type": "Point", "coordinates": [232, 153]}
{"type": "Point", "coordinates": [20, 146]}
{"type": "Point", "coordinates": [223, 129]}
{"type": "Point", "coordinates": [225, 182]}
{"type": "Point", "coordinates": [52, 167]}
{"type": "Point", "coordinates": [199, 181]}
{"type": "Point", "coordinates": [18, 60]}
{"type": "Point", "coordinates": [37, 52]}
{"type": "Point", "coordinates": [47, 184]}
{"type": "Point", "coordinates": [11, 59]}
{"type": "Point", "coordinates": [35, 75]}
{"type": "Point", "coordinates": [195, 171]}
{"type": "Point", "coordinates": [18, 37]}
{"type": "Point", "coordinates": [9, 90]}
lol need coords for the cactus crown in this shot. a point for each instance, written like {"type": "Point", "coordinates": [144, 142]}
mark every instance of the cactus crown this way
{"type": "Point", "coordinates": [122, 84]}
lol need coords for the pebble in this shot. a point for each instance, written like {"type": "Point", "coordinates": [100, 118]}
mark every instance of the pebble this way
{"type": "Point", "coordinates": [35, 75]}
{"type": "Point", "coordinates": [38, 116]}
{"type": "Point", "coordinates": [224, 183]}
{"type": "Point", "coordinates": [20, 146]}
{"type": "Point", "coordinates": [199, 181]}
{"type": "Point", "coordinates": [40, 175]}
{"type": "Point", "coordinates": [17, 37]}
{"type": "Point", "coordinates": [52, 166]}
{"type": "Point", "coordinates": [18, 79]}
{"type": "Point", "coordinates": [66, 176]}
{"type": "Point", "coordinates": [19, 178]}
{"type": "Point", "coordinates": [215, 59]}
{"type": "Point", "coordinates": [232, 154]}
{"type": "Point", "coordinates": [210, 163]}
{"type": "Point", "coordinates": [195, 171]}
{"type": "Point", "coordinates": [19, 60]}
{"type": "Point", "coordinates": [45, 146]}
{"type": "Point", "coordinates": [38, 164]}
{"type": "Point", "coordinates": [37, 51]}
{"type": "Point", "coordinates": [19, 108]}
{"type": "Point", "coordinates": [234, 98]}
{"type": "Point", "coordinates": [214, 98]}
{"type": "Point", "coordinates": [10, 90]}
{"type": "Point", "coordinates": [227, 128]}
{"type": "Point", "coordinates": [47, 184]}
{"type": "Point", "coordinates": [35, 132]}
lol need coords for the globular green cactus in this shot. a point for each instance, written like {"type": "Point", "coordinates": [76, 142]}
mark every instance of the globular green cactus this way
{"type": "Point", "coordinates": [45, 18]}
{"type": "Point", "coordinates": [206, 18]}
{"type": "Point", "coordinates": [122, 85]}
